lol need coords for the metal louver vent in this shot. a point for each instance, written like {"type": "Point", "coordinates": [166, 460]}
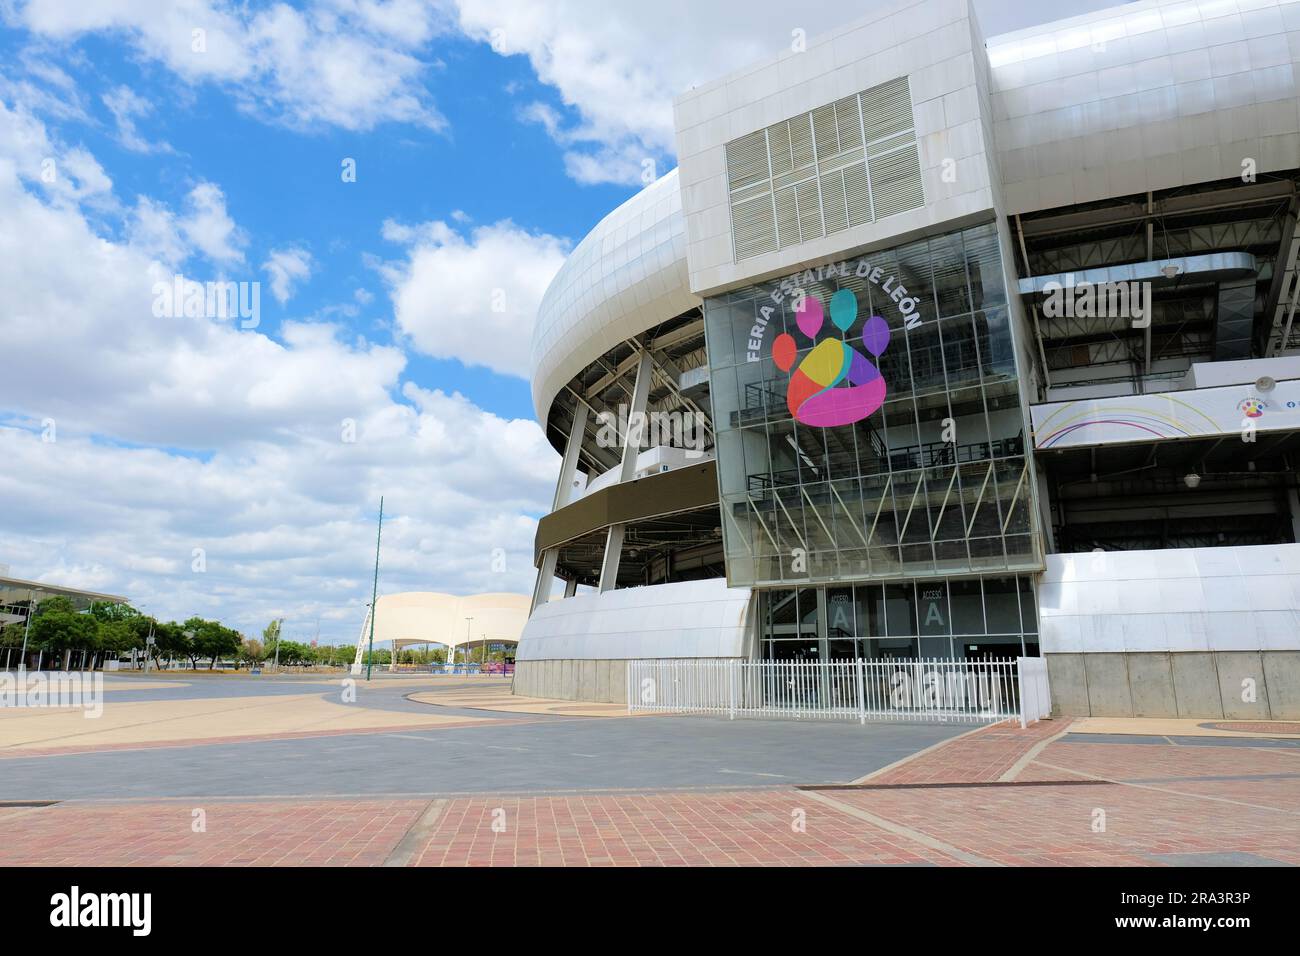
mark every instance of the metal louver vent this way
{"type": "Point", "coordinates": [841, 165]}
{"type": "Point", "coordinates": [824, 131]}
{"type": "Point", "coordinates": [895, 182]}
{"type": "Point", "coordinates": [787, 218]}
{"type": "Point", "coordinates": [778, 141]}
{"type": "Point", "coordinates": [751, 227]}
{"type": "Point", "coordinates": [886, 109]}
{"type": "Point", "coordinates": [747, 160]}
{"type": "Point", "coordinates": [857, 194]}
{"type": "Point", "coordinates": [849, 122]}
{"type": "Point", "coordinates": [801, 142]}
{"type": "Point", "coordinates": [810, 213]}
{"type": "Point", "coordinates": [833, 208]}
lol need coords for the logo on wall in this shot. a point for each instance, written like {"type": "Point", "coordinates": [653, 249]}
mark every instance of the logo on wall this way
{"type": "Point", "coordinates": [835, 384]}
{"type": "Point", "coordinates": [1252, 407]}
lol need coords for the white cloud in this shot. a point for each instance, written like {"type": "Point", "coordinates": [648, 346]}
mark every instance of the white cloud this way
{"type": "Point", "coordinates": [619, 66]}
{"type": "Point", "coordinates": [287, 268]}
{"type": "Point", "coordinates": [152, 230]}
{"type": "Point", "coordinates": [60, 173]}
{"type": "Point", "coordinates": [347, 63]}
{"type": "Point", "coordinates": [472, 298]}
{"type": "Point", "coordinates": [126, 107]}
{"type": "Point", "coordinates": [208, 226]}
{"type": "Point", "coordinates": [176, 434]}
{"type": "Point", "coordinates": [42, 87]}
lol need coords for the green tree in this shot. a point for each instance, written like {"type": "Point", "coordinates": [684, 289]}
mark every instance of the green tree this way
{"type": "Point", "coordinates": [292, 652]}
{"type": "Point", "coordinates": [106, 613]}
{"type": "Point", "coordinates": [209, 639]}
{"type": "Point", "coordinates": [169, 639]}
{"type": "Point", "coordinates": [57, 627]}
{"type": "Point", "coordinates": [118, 637]}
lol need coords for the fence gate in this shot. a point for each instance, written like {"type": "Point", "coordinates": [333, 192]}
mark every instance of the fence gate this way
{"type": "Point", "coordinates": [984, 691]}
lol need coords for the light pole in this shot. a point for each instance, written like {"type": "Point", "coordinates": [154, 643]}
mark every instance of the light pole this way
{"type": "Point", "coordinates": [22, 660]}
{"type": "Point", "coordinates": [468, 622]}
{"type": "Point", "coordinates": [150, 641]}
{"type": "Point", "coordinates": [374, 591]}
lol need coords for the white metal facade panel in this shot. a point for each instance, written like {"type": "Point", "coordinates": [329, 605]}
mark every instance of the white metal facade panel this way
{"type": "Point", "coordinates": [1186, 599]}
{"type": "Point", "coordinates": [686, 619]}
{"type": "Point", "coordinates": [626, 276]}
{"type": "Point", "coordinates": [1149, 95]}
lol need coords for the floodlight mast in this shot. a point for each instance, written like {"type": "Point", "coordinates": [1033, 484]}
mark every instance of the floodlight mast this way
{"type": "Point", "coordinates": [374, 591]}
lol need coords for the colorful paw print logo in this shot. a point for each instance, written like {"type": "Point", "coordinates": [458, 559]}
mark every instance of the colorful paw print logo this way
{"type": "Point", "coordinates": [1253, 407]}
{"type": "Point", "coordinates": [835, 384]}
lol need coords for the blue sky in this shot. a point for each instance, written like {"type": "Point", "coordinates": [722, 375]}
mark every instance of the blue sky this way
{"type": "Point", "coordinates": [283, 185]}
{"type": "Point", "coordinates": [197, 467]}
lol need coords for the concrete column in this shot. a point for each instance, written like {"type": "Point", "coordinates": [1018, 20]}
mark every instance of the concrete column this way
{"type": "Point", "coordinates": [568, 468]}
{"type": "Point", "coordinates": [545, 579]}
{"type": "Point", "coordinates": [631, 448]}
{"type": "Point", "coordinates": [609, 563]}
{"type": "Point", "coordinates": [640, 395]}
{"type": "Point", "coordinates": [571, 587]}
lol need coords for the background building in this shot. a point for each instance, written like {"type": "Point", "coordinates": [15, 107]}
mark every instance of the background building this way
{"type": "Point", "coordinates": [20, 601]}
{"type": "Point", "coordinates": [459, 623]}
{"type": "Point", "coordinates": [943, 347]}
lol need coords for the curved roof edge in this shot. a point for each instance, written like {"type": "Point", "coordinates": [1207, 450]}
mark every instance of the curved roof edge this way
{"type": "Point", "coordinates": [627, 275]}
{"type": "Point", "coordinates": [425, 598]}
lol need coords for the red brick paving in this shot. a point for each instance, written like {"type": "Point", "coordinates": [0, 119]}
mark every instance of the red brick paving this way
{"type": "Point", "coordinates": [982, 756]}
{"type": "Point", "coordinates": [260, 833]}
{"type": "Point", "coordinates": [745, 828]}
{"type": "Point", "coordinates": [1054, 825]}
{"type": "Point", "coordinates": [1146, 761]}
{"type": "Point", "coordinates": [1011, 824]}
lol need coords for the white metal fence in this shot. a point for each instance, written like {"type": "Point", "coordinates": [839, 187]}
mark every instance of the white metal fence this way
{"type": "Point", "coordinates": [1035, 691]}
{"type": "Point", "coordinates": [938, 689]}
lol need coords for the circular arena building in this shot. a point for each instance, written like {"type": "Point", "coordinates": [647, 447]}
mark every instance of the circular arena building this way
{"type": "Point", "coordinates": [939, 346]}
{"type": "Point", "coordinates": [621, 385]}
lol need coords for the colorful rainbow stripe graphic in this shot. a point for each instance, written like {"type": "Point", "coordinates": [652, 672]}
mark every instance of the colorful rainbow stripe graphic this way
{"type": "Point", "coordinates": [1144, 420]}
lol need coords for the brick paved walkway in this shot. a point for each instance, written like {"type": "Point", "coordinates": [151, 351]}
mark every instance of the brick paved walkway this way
{"type": "Point", "coordinates": [997, 796]}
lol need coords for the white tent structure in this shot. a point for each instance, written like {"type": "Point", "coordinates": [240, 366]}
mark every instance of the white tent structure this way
{"type": "Point", "coordinates": [429, 617]}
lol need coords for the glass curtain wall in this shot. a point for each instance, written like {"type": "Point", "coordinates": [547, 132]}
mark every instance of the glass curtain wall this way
{"type": "Point", "coordinates": [961, 618]}
{"type": "Point", "coordinates": [935, 480]}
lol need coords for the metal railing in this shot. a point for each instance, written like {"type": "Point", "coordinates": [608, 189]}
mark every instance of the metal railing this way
{"type": "Point", "coordinates": [983, 691]}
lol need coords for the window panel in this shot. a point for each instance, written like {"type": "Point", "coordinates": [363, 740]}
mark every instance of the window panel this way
{"type": "Point", "coordinates": [1002, 605]}
{"type": "Point", "coordinates": [932, 608]}
{"type": "Point", "coordinates": [950, 279]}
{"type": "Point", "coordinates": [966, 601]}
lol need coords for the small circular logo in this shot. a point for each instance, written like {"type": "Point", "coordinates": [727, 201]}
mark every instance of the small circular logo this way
{"type": "Point", "coordinates": [1252, 407]}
